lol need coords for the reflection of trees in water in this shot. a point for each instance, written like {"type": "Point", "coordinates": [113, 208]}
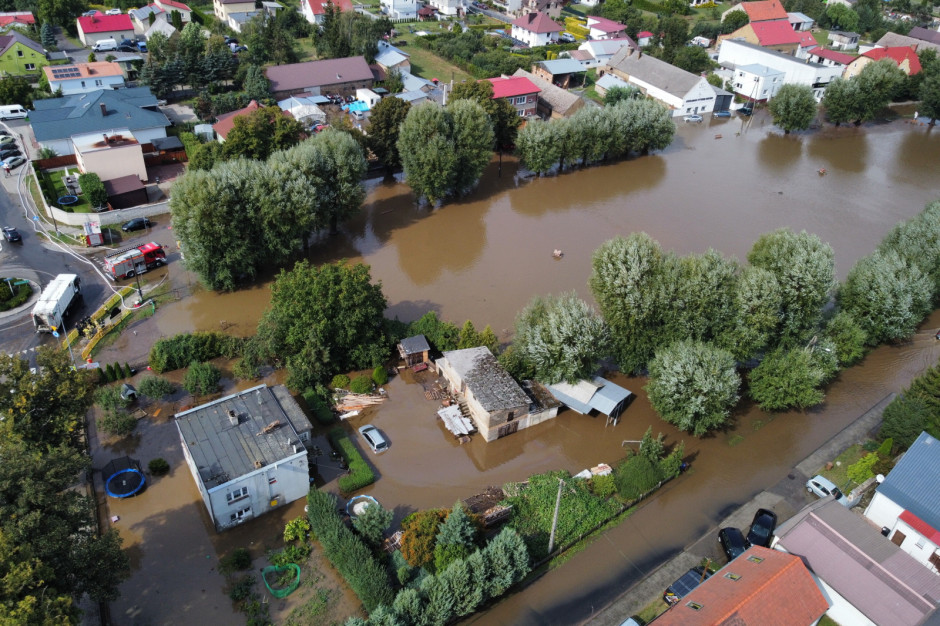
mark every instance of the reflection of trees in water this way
{"type": "Point", "coordinates": [847, 152]}
{"type": "Point", "coordinates": [917, 147]}
{"type": "Point", "coordinates": [779, 153]}
{"type": "Point", "coordinates": [576, 188]}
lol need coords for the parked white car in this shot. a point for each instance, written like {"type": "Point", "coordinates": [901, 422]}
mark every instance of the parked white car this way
{"type": "Point", "coordinates": [113, 12]}
{"type": "Point", "coordinates": [821, 487]}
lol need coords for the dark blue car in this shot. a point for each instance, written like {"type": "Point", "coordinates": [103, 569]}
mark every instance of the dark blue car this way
{"type": "Point", "coordinates": [721, 114]}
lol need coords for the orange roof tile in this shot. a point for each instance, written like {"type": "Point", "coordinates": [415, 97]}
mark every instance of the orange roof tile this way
{"type": "Point", "coordinates": [776, 590]}
{"type": "Point", "coordinates": [896, 54]}
{"type": "Point", "coordinates": [765, 10]}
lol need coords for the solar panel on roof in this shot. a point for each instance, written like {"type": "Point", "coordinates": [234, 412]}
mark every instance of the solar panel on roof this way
{"type": "Point", "coordinates": [66, 72]}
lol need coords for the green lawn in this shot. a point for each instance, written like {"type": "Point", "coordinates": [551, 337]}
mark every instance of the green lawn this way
{"type": "Point", "coordinates": [838, 473]}
{"type": "Point", "coordinates": [426, 64]}
{"type": "Point", "coordinates": [56, 177]}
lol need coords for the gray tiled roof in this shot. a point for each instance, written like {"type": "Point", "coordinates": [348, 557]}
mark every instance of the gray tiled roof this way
{"type": "Point", "coordinates": [223, 451]}
{"type": "Point", "coordinates": [890, 40]}
{"type": "Point", "coordinates": [13, 36]}
{"type": "Point", "coordinates": [490, 384]}
{"type": "Point", "coordinates": [651, 70]}
{"type": "Point", "coordinates": [561, 66]}
{"type": "Point", "coordinates": [559, 99]}
{"type": "Point", "coordinates": [316, 73]}
{"type": "Point", "coordinates": [849, 553]}
{"type": "Point", "coordinates": [919, 32]}
{"type": "Point", "coordinates": [58, 118]}
{"type": "Point", "coordinates": [914, 483]}
{"type": "Point", "coordinates": [414, 345]}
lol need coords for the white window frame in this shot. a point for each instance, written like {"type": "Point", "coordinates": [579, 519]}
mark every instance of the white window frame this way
{"type": "Point", "coordinates": [240, 514]}
{"type": "Point", "coordinates": [30, 66]}
{"type": "Point", "coordinates": [237, 496]}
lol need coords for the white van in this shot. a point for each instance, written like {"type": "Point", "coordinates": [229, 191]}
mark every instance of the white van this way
{"type": "Point", "coordinates": [12, 112]}
{"type": "Point", "coordinates": [105, 45]}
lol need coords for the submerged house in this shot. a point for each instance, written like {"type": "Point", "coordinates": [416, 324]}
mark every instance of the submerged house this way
{"type": "Point", "coordinates": [597, 394]}
{"type": "Point", "coordinates": [246, 453]}
{"type": "Point", "coordinates": [414, 350]}
{"type": "Point", "coordinates": [495, 402]}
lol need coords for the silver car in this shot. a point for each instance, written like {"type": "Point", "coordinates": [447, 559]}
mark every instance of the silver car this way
{"type": "Point", "coordinates": [821, 487]}
{"type": "Point", "coordinates": [374, 438]}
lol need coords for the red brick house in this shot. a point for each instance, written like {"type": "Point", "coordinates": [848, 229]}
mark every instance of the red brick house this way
{"type": "Point", "coordinates": [519, 92]}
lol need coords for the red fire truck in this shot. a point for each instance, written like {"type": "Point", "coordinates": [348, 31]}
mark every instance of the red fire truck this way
{"type": "Point", "coordinates": [130, 261]}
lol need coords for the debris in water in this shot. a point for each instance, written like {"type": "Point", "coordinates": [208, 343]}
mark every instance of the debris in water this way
{"type": "Point", "coordinates": [558, 253]}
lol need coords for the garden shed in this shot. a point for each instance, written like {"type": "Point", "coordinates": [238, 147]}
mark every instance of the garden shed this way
{"type": "Point", "coordinates": [597, 394]}
{"type": "Point", "coordinates": [414, 350]}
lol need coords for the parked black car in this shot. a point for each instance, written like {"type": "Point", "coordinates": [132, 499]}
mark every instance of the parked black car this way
{"type": "Point", "coordinates": [762, 528]}
{"type": "Point", "coordinates": [732, 542]}
{"type": "Point", "coordinates": [11, 234]}
{"type": "Point", "coordinates": [138, 223]}
{"type": "Point", "coordinates": [8, 152]}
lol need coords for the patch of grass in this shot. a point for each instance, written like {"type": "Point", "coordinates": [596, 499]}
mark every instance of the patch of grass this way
{"type": "Point", "coordinates": [360, 473]}
{"type": "Point", "coordinates": [821, 36]}
{"type": "Point", "coordinates": [840, 465]}
{"type": "Point", "coordinates": [55, 181]}
{"type": "Point", "coordinates": [652, 610]}
{"type": "Point", "coordinates": [825, 620]}
{"type": "Point", "coordinates": [735, 439]}
{"type": "Point", "coordinates": [315, 607]}
{"type": "Point", "coordinates": [426, 64]}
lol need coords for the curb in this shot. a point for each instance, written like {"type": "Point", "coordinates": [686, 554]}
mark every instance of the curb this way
{"type": "Point", "coordinates": [37, 291]}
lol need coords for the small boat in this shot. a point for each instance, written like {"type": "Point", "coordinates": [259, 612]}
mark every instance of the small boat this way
{"type": "Point", "coordinates": [558, 253]}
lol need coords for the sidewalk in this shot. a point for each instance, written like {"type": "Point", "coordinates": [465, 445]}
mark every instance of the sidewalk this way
{"type": "Point", "coordinates": [785, 498]}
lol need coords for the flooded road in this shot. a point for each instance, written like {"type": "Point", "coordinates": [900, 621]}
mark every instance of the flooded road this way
{"type": "Point", "coordinates": [483, 258]}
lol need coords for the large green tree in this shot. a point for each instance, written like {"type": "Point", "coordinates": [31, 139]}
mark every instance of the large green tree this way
{"type": "Point", "coordinates": [793, 108]}
{"type": "Point", "coordinates": [323, 321]}
{"type": "Point", "coordinates": [384, 123]}
{"type": "Point", "coordinates": [261, 132]}
{"type": "Point", "coordinates": [503, 116]}
{"type": "Point", "coordinates": [693, 386]}
{"type": "Point", "coordinates": [887, 296]}
{"type": "Point", "coordinates": [930, 98]}
{"type": "Point", "coordinates": [538, 146]}
{"type": "Point", "coordinates": [804, 269]}
{"type": "Point", "coordinates": [878, 83]}
{"type": "Point", "coordinates": [842, 17]}
{"type": "Point", "coordinates": [472, 134]}
{"type": "Point", "coordinates": [561, 337]}
{"type": "Point", "coordinates": [16, 90]}
{"type": "Point", "coordinates": [917, 241]}
{"type": "Point", "coordinates": [733, 21]}
{"type": "Point", "coordinates": [842, 101]}
{"type": "Point", "coordinates": [755, 310]}
{"type": "Point", "coordinates": [692, 59]}
{"type": "Point", "coordinates": [788, 378]}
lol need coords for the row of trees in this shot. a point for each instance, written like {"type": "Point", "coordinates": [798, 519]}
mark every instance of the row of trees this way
{"type": "Point", "coordinates": [50, 550]}
{"type": "Point", "coordinates": [592, 135]}
{"type": "Point", "coordinates": [244, 215]}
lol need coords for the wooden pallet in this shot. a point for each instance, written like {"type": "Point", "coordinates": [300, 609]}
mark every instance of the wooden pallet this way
{"type": "Point", "coordinates": [434, 394]}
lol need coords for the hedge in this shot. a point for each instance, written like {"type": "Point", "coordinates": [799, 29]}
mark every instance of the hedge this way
{"type": "Point", "coordinates": [177, 352]}
{"type": "Point", "coordinates": [22, 294]}
{"type": "Point", "coordinates": [360, 474]}
{"type": "Point", "coordinates": [348, 554]}
{"type": "Point", "coordinates": [318, 407]}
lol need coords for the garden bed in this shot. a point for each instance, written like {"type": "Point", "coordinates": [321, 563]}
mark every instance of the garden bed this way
{"type": "Point", "coordinates": [12, 299]}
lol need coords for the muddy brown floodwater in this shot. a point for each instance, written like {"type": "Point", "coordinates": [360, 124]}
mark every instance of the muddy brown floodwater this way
{"type": "Point", "coordinates": [484, 257]}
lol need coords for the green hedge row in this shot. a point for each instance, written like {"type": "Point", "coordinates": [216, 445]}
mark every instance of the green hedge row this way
{"type": "Point", "coordinates": [20, 295]}
{"type": "Point", "coordinates": [177, 352]}
{"type": "Point", "coordinates": [320, 409]}
{"type": "Point", "coordinates": [348, 554]}
{"type": "Point", "coordinates": [360, 474]}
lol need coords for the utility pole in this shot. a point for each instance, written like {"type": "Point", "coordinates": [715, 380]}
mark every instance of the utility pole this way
{"type": "Point", "coordinates": [551, 538]}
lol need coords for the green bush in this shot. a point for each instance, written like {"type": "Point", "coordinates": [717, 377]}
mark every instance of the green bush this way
{"type": "Point", "coordinates": [380, 375]}
{"type": "Point", "coordinates": [128, 372]}
{"type": "Point", "coordinates": [93, 189]}
{"type": "Point", "coordinates": [242, 589]}
{"type": "Point", "coordinates": [155, 387]}
{"type": "Point", "coordinates": [318, 407]}
{"type": "Point", "coordinates": [340, 381]}
{"type": "Point", "coordinates": [117, 422]}
{"type": "Point", "coordinates": [20, 295]}
{"type": "Point", "coordinates": [360, 474]}
{"type": "Point", "coordinates": [884, 450]}
{"type": "Point", "coordinates": [110, 373]}
{"type": "Point", "coordinates": [173, 353]}
{"type": "Point", "coordinates": [109, 398]}
{"type": "Point", "coordinates": [349, 555]}
{"type": "Point", "coordinates": [238, 560]}
{"type": "Point", "coordinates": [603, 486]}
{"type": "Point", "coordinates": [158, 467]}
{"type": "Point", "coordinates": [201, 378]}
{"type": "Point", "coordinates": [361, 384]}
{"type": "Point", "coordinates": [635, 476]}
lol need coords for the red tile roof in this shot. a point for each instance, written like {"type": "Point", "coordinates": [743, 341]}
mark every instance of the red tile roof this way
{"type": "Point", "coordinates": [925, 529]}
{"type": "Point", "coordinates": [765, 10]}
{"type": "Point", "coordinates": [226, 121]}
{"type": "Point", "coordinates": [777, 590]}
{"type": "Point", "coordinates": [604, 25]}
{"type": "Point", "coordinates": [512, 86]}
{"type": "Point", "coordinates": [833, 55]}
{"type": "Point", "coordinates": [318, 7]}
{"type": "Point", "coordinates": [175, 5]}
{"type": "Point", "coordinates": [897, 54]}
{"type": "Point", "coordinates": [775, 33]}
{"type": "Point", "coordinates": [807, 40]}
{"type": "Point", "coordinates": [105, 23]}
{"type": "Point", "coordinates": [538, 23]}
{"type": "Point", "coordinates": [644, 33]}
{"type": "Point", "coordinates": [17, 18]}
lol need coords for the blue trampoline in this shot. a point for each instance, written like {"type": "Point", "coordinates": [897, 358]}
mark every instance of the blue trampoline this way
{"type": "Point", "coordinates": [123, 478]}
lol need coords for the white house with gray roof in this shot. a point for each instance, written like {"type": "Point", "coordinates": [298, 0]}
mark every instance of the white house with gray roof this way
{"type": "Point", "coordinates": [245, 453]}
{"type": "Point", "coordinates": [736, 53]}
{"type": "Point", "coordinates": [907, 503]}
{"type": "Point", "coordinates": [683, 92]}
{"type": "Point", "coordinates": [495, 401]}
{"type": "Point", "coordinates": [55, 120]}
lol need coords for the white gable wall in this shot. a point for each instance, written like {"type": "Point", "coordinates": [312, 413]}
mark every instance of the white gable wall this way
{"type": "Point", "coordinates": [885, 513]}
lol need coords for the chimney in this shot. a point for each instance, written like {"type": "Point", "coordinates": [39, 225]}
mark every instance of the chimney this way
{"type": "Point", "coordinates": [105, 138]}
{"type": "Point", "coordinates": [104, 109]}
{"type": "Point", "coordinates": [233, 417]}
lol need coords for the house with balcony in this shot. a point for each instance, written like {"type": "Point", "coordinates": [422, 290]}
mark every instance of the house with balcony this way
{"type": "Point", "coordinates": [683, 92]}
{"type": "Point", "coordinates": [536, 29]}
{"type": "Point", "coordinates": [246, 453]}
{"type": "Point", "coordinates": [519, 91]}
{"type": "Point", "coordinates": [906, 505]}
{"type": "Point", "coordinates": [734, 54]}
{"type": "Point", "coordinates": [84, 77]}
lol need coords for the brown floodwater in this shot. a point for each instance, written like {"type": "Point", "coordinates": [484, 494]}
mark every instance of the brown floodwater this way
{"type": "Point", "coordinates": [485, 256]}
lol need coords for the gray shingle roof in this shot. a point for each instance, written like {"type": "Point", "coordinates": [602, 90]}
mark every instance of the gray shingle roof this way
{"type": "Point", "coordinates": [651, 70]}
{"type": "Point", "coordinates": [847, 552]}
{"type": "Point", "coordinates": [891, 40]}
{"type": "Point", "coordinates": [561, 66]}
{"type": "Point", "coordinates": [490, 384]}
{"type": "Point", "coordinates": [415, 345]}
{"type": "Point", "coordinates": [223, 451]}
{"type": "Point", "coordinates": [318, 73]}
{"type": "Point", "coordinates": [60, 118]}
{"type": "Point", "coordinates": [914, 483]}
{"type": "Point", "coordinates": [14, 36]}
{"type": "Point", "coordinates": [559, 99]}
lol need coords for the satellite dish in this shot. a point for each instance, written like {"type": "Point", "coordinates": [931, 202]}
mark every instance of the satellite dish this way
{"type": "Point", "coordinates": [880, 478]}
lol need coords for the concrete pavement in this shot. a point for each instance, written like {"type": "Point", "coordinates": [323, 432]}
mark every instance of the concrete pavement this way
{"type": "Point", "coordinates": [785, 498]}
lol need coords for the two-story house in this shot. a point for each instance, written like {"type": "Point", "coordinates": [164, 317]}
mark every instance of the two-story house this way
{"type": "Point", "coordinates": [519, 91]}
{"type": "Point", "coordinates": [84, 77]}
{"type": "Point", "coordinates": [315, 10]}
{"type": "Point", "coordinates": [95, 28]}
{"type": "Point", "coordinates": [400, 9]}
{"type": "Point", "coordinates": [20, 55]}
{"type": "Point", "coordinates": [536, 29]}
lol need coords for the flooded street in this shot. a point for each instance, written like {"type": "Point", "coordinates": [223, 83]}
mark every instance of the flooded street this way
{"type": "Point", "coordinates": [484, 257]}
